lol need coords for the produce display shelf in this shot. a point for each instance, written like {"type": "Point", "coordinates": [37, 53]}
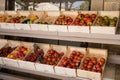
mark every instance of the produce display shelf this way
{"type": "Point", "coordinates": [69, 36]}
{"type": "Point", "coordinates": [43, 73]}
{"type": "Point", "coordinates": [110, 69]}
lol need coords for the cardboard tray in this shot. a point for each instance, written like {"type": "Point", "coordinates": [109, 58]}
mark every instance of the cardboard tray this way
{"type": "Point", "coordinates": [26, 64]}
{"type": "Point", "coordinates": [2, 24]}
{"type": "Point", "coordinates": [106, 29]}
{"type": "Point", "coordinates": [64, 28]}
{"type": "Point", "coordinates": [50, 68]}
{"type": "Point", "coordinates": [81, 29]}
{"type": "Point", "coordinates": [39, 27]}
{"type": "Point", "coordinates": [3, 42]}
{"type": "Point", "coordinates": [21, 26]}
{"type": "Point", "coordinates": [67, 71]}
{"type": "Point", "coordinates": [93, 53]}
{"type": "Point", "coordinates": [44, 67]}
{"type": "Point", "coordinates": [13, 14]}
{"type": "Point", "coordinates": [11, 62]}
{"type": "Point", "coordinates": [52, 15]}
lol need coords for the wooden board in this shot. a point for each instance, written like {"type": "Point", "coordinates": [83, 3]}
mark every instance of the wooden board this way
{"type": "Point", "coordinates": [111, 6]}
{"type": "Point", "coordinates": [96, 5]}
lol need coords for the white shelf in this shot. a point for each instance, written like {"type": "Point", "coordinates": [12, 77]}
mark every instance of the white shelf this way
{"type": "Point", "coordinates": [69, 36]}
{"type": "Point", "coordinates": [43, 73]}
{"type": "Point", "coordinates": [110, 69]}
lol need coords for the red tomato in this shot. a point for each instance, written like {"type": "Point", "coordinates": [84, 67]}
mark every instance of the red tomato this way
{"type": "Point", "coordinates": [85, 65]}
{"type": "Point", "coordinates": [81, 55]}
{"type": "Point", "coordinates": [73, 52]}
{"type": "Point", "coordinates": [62, 53]}
{"type": "Point", "coordinates": [65, 63]}
{"type": "Point", "coordinates": [89, 67]}
{"type": "Point", "coordinates": [48, 59]}
{"type": "Point", "coordinates": [97, 66]}
{"type": "Point", "coordinates": [90, 63]}
{"type": "Point", "coordinates": [53, 59]}
{"type": "Point", "coordinates": [56, 55]}
{"type": "Point", "coordinates": [101, 63]}
{"type": "Point", "coordinates": [102, 59]}
{"type": "Point", "coordinates": [87, 58]}
{"type": "Point", "coordinates": [94, 59]}
{"type": "Point", "coordinates": [71, 56]}
{"type": "Point", "coordinates": [78, 53]}
{"type": "Point", "coordinates": [94, 62]}
{"type": "Point", "coordinates": [86, 61]}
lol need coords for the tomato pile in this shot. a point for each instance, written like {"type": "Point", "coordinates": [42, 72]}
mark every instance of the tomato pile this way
{"type": "Point", "coordinates": [73, 60]}
{"type": "Point", "coordinates": [52, 57]}
{"type": "Point", "coordinates": [34, 55]}
{"type": "Point", "coordinates": [92, 64]}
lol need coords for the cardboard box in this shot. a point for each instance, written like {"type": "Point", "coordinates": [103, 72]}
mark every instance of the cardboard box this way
{"type": "Point", "coordinates": [44, 67]}
{"type": "Point", "coordinates": [98, 53]}
{"type": "Point", "coordinates": [106, 29]}
{"type": "Point", "coordinates": [81, 29]}
{"type": "Point", "coordinates": [68, 71]}
{"type": "Point", "coordinates": [10, 62]}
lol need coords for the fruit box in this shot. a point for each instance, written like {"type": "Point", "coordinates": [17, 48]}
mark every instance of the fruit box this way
{"type": "Point", "coordinates": [49, 68]}
{"type": "Point", "coordinates": [106, 29]}
{"type": "Point", "coordinates": [10, 62]}
{"type": "Point", "coordinates": [39, 27]}
{"type": "Point", "coordinates": [3, 43]}
{"type": "Point", "coordinates": [53, 15]}
{"type": "Point", "coordinates": [98, 53]}
{"type": "Point", "coordinates": [20, 26]}
{"type": "Point", "coordinates": [3, 25]}
{"type": "Point", "coordinates": [13, 14]}
{"type": "Point", "coordinates": [72, 14]}
{"type": "Point", "coordinates": [31, 65]}
{"type": "Point", "coordinates": [7, 61]}
{"type": "Point", "coordinates": [23, 13]}
{"type": "Point", "coordinates": [36, 15]}
{"type": "Point", "coordinates": [2, 21]}
{"type": "Point", "coordinates": [81, 29]}
{"type": "Point", "coordinates": [13, 43]}
{"type": "Point", "coordinates": [44, 67]}
{"type": "Point", "coordinates": [67, 71]}
{"type": "Point", "coordinates": [26, 64]}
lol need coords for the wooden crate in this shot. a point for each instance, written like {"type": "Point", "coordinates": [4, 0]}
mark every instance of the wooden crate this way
{"type": "Point", "coordinates": [44, 67]}
{"type": "Point", "coordinates": [67, 71]}
{"type": "Point", "coordinates": [35, 26]}
{"type": "Point", "coordinates": [3, 43]}
{"type": "Point", "coordinates": [11, 62]}
{"type": "Point", "coordinates": [106, 29]}
{"type": "Point", "coordinates": [81, 29]}
{"type": "Point", "coordinates": [92, 52]}
{"type": "Point", "coordinates": [20, 26]}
